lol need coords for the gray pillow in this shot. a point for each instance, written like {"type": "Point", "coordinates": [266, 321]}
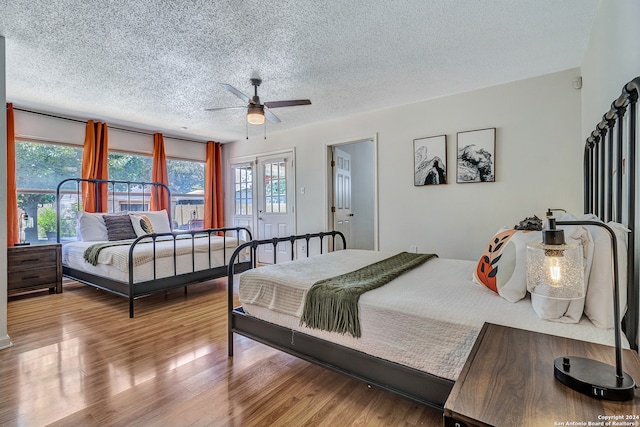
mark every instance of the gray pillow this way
{"type": "Point", "coordinates": [119, 227]}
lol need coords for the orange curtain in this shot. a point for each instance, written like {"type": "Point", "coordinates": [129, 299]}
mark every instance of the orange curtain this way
{"type": "Point", "coordinates": [159, 199]}
{"type": "Point", "coordinates": [95, 155]}
{"type": "Point", "coordinates": [213, 198]}
{"type": "Point", "coordinates": [13, 229]}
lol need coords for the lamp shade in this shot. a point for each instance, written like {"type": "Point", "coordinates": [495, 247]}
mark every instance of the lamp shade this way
{"type": "Point", "coordinates": [255, 114]}
{"type": "Point", "coordinates": [555, 271]}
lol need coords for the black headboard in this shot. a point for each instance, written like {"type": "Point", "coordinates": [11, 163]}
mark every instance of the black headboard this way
{"type": "Point", "coordinates": [127, 189]}
{"type": "Point", "coordinates": [610, 176]}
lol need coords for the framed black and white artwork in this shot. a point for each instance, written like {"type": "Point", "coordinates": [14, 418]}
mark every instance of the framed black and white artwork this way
{"type": "Point", "coordinates": [430, 160]}
{"type": "Point", "coordinates": [476, 156]}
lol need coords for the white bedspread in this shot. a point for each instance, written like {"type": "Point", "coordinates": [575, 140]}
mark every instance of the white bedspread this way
{"type": "Point", "coordinates": [113, 261]}
{"type": "Point", "coordinates": [427, 319]}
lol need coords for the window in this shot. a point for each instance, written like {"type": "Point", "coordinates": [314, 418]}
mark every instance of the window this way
{"type": "Point", "coordinates": [186, 182]}
{"type": "Point", "coordinates": [39, 169]}
{"type": "Point", "coordinates": [275, 187]}
{"type": "Point", "coordinates": [129, 167]}
{"type": "Point", "coordinates": [41, 166]}
{"type": "Point", "coordinates": [243, 183]}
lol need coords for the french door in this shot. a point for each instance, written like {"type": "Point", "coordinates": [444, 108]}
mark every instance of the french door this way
{"type": "Point", "coordinates": [264, 201]}
{"type": "Point", "coordinates": [276, 205]}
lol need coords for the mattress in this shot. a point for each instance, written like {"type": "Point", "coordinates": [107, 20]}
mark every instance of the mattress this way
{"type": "Point", "coordinates": [428, 318]}
{"type": "Point", "coordinates": [113, 262]}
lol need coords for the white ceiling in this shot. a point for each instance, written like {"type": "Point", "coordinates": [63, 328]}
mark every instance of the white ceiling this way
{"type": "Point", "coordinates": [156, 65]}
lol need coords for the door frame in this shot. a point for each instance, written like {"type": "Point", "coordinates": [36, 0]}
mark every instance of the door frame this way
{"type": "Point", "coordinates": [254, 160]}
{"type": "Point", "coordinates": [328, 183]}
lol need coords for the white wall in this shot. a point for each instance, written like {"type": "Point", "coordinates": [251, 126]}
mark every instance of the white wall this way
{"type": "Point", "coordinates": [538, 164]}
{"type": "Point", "coordinates": [4, 337]}
{"type": "Point", "coordinates": [612, 59]}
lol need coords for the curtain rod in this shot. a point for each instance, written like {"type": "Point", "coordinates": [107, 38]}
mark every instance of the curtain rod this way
{"type": "Point", "coordinates": [109, 126]}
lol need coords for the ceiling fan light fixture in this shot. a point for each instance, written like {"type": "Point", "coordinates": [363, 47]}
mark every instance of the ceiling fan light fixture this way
{"type": "Point", "coordinates": [255, 114]}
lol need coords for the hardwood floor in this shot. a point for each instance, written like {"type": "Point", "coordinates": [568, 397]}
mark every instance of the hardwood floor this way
{"type": "Point", "coordinates": [78, 360]}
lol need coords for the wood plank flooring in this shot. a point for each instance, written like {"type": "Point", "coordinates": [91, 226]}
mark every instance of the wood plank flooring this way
{"type": "Point", "coordinates": [78, 360]}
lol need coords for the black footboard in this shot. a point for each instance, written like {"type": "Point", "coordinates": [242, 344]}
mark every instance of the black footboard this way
{"type": "Point", "coordinates": [418, 386]}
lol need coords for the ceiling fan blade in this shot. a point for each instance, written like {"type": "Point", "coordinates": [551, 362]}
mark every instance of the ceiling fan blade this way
{"type": "Point", "coordinates": [290, 103]}
{"type": "Point", "coordinates": [270, 116]}
{"type": "Point", "coordinates": [236, 92]}
{"type": "Point", "coordinates": [224, 108]}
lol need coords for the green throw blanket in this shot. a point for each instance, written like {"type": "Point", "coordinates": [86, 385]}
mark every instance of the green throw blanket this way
{"type": "Point", "coordinates": [332, 304]}
{"type": "Point", "coordinates": [92, 252]}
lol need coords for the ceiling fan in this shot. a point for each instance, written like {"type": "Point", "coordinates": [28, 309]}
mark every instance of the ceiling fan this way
{"type": "Point", "coordinates": [256, 111]}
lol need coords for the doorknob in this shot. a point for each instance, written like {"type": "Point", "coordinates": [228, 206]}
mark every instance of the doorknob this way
{"type": "Point", "coordinates": [350, 214]}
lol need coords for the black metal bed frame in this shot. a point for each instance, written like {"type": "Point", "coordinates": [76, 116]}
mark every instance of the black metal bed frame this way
{"type": "Point", "coordinates": [133, 290]}
{"type": "Point", "coordinates": [422, 387]}
{"type": "Point", "coordinates": [612, 147]}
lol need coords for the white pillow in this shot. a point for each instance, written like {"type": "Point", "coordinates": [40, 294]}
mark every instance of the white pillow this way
{"type": "Point", "coordinates": [159, 221]}
{"type": "Point", "coordinates": [599, 300]}
{"type": "Point", "coordinates": [567, 311]}
{"type": "Point", "coordinates": [91, 227]}
{"type": "Point", "coordinates": [502, 265]}
{"type": "Point", "coordinates": [502, 268]}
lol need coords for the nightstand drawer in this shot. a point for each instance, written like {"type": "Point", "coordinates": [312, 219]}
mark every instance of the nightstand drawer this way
{"type": "Point", "coordinates": [29, 259]}
{"type": "Point", "coordinates": [32, 278]}
{"type": "Point", "coordinates": [34, 267]}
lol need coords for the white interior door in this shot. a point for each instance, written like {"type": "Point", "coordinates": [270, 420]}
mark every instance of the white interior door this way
{"type": "Point", "coordinates": [342, 213]}
{"type": "Point", "coordinates": [276, 215]}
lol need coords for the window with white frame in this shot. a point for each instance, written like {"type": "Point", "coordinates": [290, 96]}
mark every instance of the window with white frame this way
{"type": "Point", "coordinates": [39, 169]}
{"type": "Point", "coordinates": [41, 166]}
{"type": "Point", "coordinates": [243, 185]}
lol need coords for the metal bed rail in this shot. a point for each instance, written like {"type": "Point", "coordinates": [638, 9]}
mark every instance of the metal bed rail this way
{"type": "Point", "coordinates": [138, 289]}
{"type": "Point", "coordinates": [610, 175]}
{"type": "Point", "coordinates": [253, 247]}
{"type": "Point", "coordinates": [114, 187]}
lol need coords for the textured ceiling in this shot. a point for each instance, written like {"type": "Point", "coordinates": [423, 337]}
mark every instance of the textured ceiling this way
{"type": "Point", "coordinates": [156, 65]}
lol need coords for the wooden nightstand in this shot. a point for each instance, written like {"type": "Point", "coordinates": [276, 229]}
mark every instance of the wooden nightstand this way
{"type": "Point", "coordinates": [34, 267]}
{"type": "Point", "coordinates": [508, 381]}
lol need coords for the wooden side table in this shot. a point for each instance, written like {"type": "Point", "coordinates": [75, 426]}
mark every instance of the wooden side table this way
{"type": "Point", "coordinates": [508, 381]}
{"type": "Point", "coordinates": [34, 267]}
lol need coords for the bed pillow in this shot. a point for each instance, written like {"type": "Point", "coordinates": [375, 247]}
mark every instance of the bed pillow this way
{"type": "Point", "coordinates": [141, 224]}
{"type": "Point", "coordinates": [567, 311]}
{"type": "Point", "coordinates": [599, 300]}
{"type": "Point", "coordinates": [119, 227]}
{"type": "Point", "coordinates": [91, 227]}
{"type": "Point", "coordinates": [502, 266]}
{"type": "Point", "coordinates": [159, 221]}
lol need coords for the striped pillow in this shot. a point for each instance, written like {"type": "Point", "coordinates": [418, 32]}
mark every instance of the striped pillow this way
{"type": "Point", "coordinates": [119, 227]}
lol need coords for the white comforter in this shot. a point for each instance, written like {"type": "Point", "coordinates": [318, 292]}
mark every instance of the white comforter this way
{"type": "Point", "coordinates": [427, 319]}
{"type": "Point", "coordinates": [113, 261]}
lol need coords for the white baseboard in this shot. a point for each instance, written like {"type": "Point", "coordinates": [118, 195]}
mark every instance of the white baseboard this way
{"type": "Point", "coordinates": [5, 342]}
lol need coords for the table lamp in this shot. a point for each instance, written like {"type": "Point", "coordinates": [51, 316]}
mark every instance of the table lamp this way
{"type": "Point", "coordinates": [555, 270]}
{"type": "Point", "coordinates": [25, 222]}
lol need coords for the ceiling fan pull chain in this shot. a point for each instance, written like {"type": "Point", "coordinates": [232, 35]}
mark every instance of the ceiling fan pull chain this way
{"type": "Point", "coordinates": [247, 124]}
{"type": "Point", "coordinates": [265, 129]}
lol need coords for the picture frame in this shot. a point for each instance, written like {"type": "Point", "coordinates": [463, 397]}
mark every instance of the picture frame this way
{"type": "Point", "coordinates": [475, 156]}
{"type": "Point", "coordinates": [430, 160]}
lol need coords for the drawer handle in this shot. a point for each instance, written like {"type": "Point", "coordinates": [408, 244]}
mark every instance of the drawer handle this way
{"type": "Point", "coordinates": [30, 260]}
{"type": "Point", "coordinates": [30, 277]}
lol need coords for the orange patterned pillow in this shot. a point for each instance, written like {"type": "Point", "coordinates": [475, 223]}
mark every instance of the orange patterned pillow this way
{"type": "Point", "coordinates": [502, 266]}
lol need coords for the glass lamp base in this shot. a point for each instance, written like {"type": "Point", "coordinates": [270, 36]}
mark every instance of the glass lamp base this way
{"type": "Point", "coordinates": [593, 378]}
